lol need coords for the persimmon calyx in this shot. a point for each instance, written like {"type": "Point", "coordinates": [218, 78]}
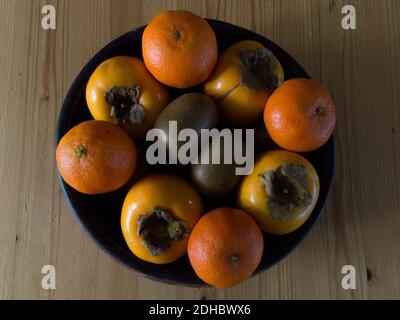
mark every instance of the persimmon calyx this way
{"type": "Point", "coordinates": [286, 191]}
{"type": "Point", "coordinates": [158, 229]}
{"type": "Point", "coordinates": [257, 69]}
{"type": "Point", "coordinates": [125, 106]}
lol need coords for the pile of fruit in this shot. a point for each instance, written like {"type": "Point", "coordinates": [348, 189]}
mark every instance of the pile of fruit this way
{"type": "Point", "coordinates": [162, 216]}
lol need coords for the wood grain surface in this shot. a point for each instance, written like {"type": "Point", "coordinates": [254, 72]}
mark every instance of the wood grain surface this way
{"type": "Point", "coordinates": [361, 225]}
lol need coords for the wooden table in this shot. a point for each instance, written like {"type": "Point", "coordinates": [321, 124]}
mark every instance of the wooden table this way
{"type": "Point", "coordinates": [361, 226]}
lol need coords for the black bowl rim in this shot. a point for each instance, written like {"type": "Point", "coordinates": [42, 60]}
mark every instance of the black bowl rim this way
{"type": "Point", "coordinates": [103, 240]}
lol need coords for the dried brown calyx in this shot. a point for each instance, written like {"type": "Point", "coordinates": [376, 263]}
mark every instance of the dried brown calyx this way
{"type": "Point", "coordinates": [286, 190]}
{"type": "Point", "coordinates": [125, 106]}
{"type": "Point", "coordinates": [257, 69]}
{"type": "Point", "coordinates": [158, 229]}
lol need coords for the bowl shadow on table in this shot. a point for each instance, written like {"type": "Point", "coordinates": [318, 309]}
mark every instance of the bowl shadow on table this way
{"type": "Point", "coordinates": [99, 215]}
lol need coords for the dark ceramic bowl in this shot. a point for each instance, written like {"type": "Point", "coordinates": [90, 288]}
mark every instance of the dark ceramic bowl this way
{"type": "Point", "coordinates": [100, 215]}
